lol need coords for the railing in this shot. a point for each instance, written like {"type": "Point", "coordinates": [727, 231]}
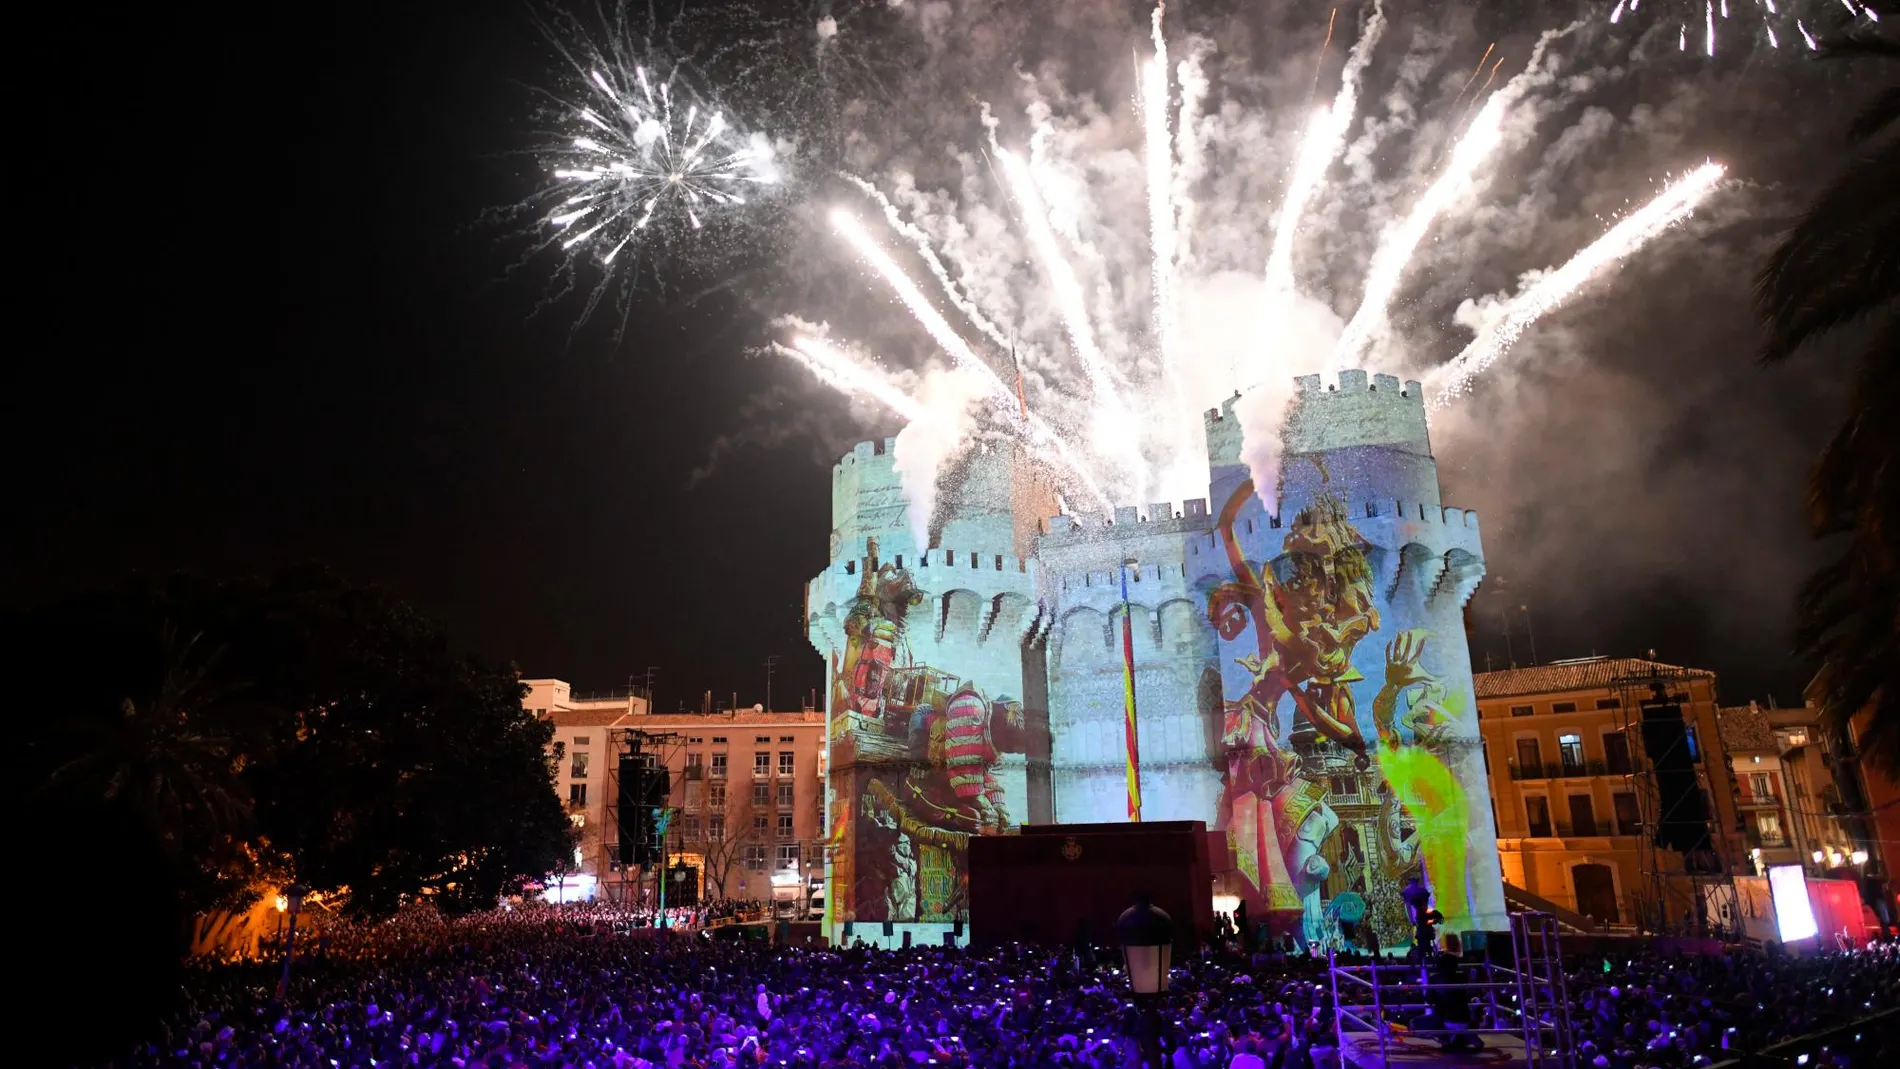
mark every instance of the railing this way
{"type": "Point", "coordinates": [1750, 799]}
{"type": "Point", "coordinates": [1558, 770]}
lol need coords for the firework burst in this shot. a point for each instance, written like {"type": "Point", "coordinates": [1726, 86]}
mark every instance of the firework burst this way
{"type": "Point", "coordinates": [1702, 26]}
{"type": "Point", "coordinates": [643, 170]}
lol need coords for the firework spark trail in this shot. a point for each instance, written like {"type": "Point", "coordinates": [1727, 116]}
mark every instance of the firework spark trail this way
{"type": "Point", "coordinates": [1001, 401]}
{"type": "Point", "coordinates": [837, 369]}
{"type": "Point", "coordinates": [1317, 151]}
{"type": "Point", "coordinates": [1319, 61]}
{"type": "Point", "coordinates": [1070, 299]}
{"type": "Point", "coordinates": [1190, 162]}
{"type": "Point", "coordinates": [933, 322]}
{"type": "Point", "coordinates": [921, 241]}
{"type": "Point", "coordinates": [1475, 71]}
{"type": "Point", "coordinates": [1162, 234]}
{"type": "Point", "coordinates": [1554, 287]}
{"type": "Point", "coordinates": [1398, 244]}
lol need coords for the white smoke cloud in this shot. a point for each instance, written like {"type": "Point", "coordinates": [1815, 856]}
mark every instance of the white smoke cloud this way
{"type": "Point", "coordinates": [925, 447]}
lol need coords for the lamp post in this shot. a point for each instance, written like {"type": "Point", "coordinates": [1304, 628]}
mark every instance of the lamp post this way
{"type": "Point", "coordinates": [1146, 935]}
{"type": "Point", "coordinates": [293, 896]}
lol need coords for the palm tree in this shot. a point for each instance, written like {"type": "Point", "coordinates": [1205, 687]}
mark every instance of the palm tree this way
{"type": "Point", "coordinates": [1840, 266]}
{"type": "Point", "coordinates": [165, 763]}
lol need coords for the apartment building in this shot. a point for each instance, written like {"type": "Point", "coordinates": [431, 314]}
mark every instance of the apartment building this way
{"type": "Point", "coordinates": [1573, 810]}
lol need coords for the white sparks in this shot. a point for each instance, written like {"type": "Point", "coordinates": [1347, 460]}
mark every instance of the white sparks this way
{"type": "Point", "coordinates": [1709, 15]}
{"type": "Point", "coordinates": [1617, 15]}
{"type": "Point", "coordinates": [1397, 245]}
{"type": "Point", "coordinates": [1068, 289]}
{"type": "Point", "coordinates": [1554, 287]}
{"type": "Point", "coordinates": [840, 371]}
{"type": "Point", "coordinates": [921, 242]}
{"type": "Point", "coordinates": [1322, 142]}
{"type": "Point", "coordinates": [1161, 219]}
{"type": "Point", "coordinates": [1813, 45]}
{"type": "Point", "coordinates": [933, 322]}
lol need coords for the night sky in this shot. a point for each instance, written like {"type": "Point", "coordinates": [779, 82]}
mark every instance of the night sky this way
{"type": "Point", "coordinates": [272, 329]}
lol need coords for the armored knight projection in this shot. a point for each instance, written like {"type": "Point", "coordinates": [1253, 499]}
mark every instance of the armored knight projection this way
{"type": "Point", "coordinates": [1301, 673]}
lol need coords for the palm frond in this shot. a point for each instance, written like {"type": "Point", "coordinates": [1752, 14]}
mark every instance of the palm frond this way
{"type": "Point", "coordinates": [1840, 262]}
{"type": "Point", "coordinates": [1877, 116]}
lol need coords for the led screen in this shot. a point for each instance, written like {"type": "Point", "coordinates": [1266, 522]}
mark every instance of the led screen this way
{"type": "Point", "coordinates": [1794, 914]}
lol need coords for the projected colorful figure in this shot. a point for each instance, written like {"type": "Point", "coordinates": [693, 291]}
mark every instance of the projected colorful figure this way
{"type": "Point", "coordinates": [1302, 678]}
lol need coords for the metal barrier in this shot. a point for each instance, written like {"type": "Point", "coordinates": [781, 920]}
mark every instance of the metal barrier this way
{"type": "Point", "coordinates": [1524, 1001]}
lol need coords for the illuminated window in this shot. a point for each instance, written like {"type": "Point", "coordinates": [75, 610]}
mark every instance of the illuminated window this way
{"type": "Point", "coordinates": [1570, 752]}
{"type": "Point", "coordinates": [784, 825]}
{"type": "Point", "coordinates": [577, 793]}
{"type": "Point", "coordinates": [787, 764]}
{"type": "Point", "coordinates": [579, 769]}
{"type": "Point", "coordinates": [1769, 826]}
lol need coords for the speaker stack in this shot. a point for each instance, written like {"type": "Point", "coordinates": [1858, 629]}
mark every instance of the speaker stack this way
{"type": "Point", "coordinates": [1682, 824]}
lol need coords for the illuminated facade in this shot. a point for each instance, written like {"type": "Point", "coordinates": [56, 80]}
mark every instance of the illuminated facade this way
{"type": "Point", "coordinates": [1301, 674]}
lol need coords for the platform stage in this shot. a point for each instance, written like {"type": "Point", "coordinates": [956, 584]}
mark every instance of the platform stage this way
{"type": "Point", "coordinates": [1361, 1049]}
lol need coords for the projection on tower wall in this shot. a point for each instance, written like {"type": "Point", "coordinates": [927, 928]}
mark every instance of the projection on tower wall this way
{"type": "Point", "coordinates": [1301, 676]}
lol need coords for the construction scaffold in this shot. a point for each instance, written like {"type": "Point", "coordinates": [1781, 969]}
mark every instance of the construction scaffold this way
{"type": "Point", "coordinates": [1518, 1008]}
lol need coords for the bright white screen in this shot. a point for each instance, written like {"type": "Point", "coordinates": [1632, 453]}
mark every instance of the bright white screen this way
{"type": "Point", "coordinates": [1794, 916]}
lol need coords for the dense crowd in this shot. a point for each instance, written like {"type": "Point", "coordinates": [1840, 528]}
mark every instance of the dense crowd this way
{"type": "Point", "coordinates": [546, 988]}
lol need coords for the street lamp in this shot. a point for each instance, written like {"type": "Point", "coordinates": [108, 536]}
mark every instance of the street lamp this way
{"type": "Point", "coordinates": [1819, 857]}
{"type": "Point", "coordinates": [293, 898]}
{"type": "Point", "coordinates": [1858, 857]}
{"type": "Point", "coordinates": [1147, 938]}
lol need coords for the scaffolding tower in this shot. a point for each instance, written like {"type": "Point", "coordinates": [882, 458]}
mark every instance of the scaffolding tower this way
{"type": "Point", "coordinates": [660, 748]}
{"type": "Point", "coordinates": [1520, 1008]}
{"type": "Point", "coordinates": [1684, 894]}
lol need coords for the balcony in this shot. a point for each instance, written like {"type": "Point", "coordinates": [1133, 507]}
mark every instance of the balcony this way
{"type": "Point", "coordinates": [1558, 770]}
{"type": "Point", "coordinates": [1748, 799]}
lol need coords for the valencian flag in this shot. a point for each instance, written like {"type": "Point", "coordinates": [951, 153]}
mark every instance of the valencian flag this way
{"type": "Point", "coordinates": [1131, 737]}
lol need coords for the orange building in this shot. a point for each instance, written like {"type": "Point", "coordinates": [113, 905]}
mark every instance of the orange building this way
{"type": "Point", "coordinates": [1573, 802]}
{"type": "Point", "coordinates": [746, 789]}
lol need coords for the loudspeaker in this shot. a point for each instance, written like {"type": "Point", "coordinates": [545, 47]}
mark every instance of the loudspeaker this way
{"type": "Point", "coordinates": [888, 929]}
{"type": "Point", "coordinates": [949, 939]}
{"type": "Point", "coordinates": [957, 928]}
{"type": "Point", "coordinates": [1683, 823]}
{"type": "Point", "coordinates": [644, 787]}
{"type": "Point", "coordinates": [847, 929]}
{"type": "Point", "coordinates": [907, 939]}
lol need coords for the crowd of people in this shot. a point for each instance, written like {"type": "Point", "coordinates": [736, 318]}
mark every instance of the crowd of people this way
{"type": "Point", "coordinates": [558, 988]}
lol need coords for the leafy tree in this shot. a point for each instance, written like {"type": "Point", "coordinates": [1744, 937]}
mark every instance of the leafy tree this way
{"type": "Point", "coordinates": [1840, 266]}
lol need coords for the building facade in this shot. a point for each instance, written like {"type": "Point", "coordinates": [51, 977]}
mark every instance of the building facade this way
{"type": "Point", "coordinates": [1569, 786]}
{"type": "Point", "coordinates": [1294, 658]}
{"type": "Point", "coordinates": [1763, 782]}
{"type": "Point", "coordinates": [745, 788]}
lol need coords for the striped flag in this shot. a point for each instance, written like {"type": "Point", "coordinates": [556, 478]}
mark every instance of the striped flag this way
{"type": "Point", "coordinates": [1131, 736]}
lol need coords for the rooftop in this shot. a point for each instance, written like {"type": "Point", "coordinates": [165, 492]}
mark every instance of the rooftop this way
{"type": "Point", "coordinates": [1745, 728]}
{"type": "Point", "coordinates": [1580, 673]}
